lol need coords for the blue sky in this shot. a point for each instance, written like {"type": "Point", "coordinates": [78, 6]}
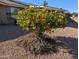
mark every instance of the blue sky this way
{"type": "Point", "coordinates": [70, 5]}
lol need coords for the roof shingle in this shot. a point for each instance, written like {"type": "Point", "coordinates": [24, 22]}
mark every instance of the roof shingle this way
{"type": "Point", "coordinates": [11, 3]}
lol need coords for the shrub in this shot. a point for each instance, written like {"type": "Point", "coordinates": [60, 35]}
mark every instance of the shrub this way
{"type": "Point", "coordinates": [44, 19]}
{"type": "Point", "coordinates": [39, 20]}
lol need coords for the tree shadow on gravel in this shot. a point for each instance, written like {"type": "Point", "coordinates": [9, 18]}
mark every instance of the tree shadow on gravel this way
{"type": "Point", "coordinates": [10, 32]}
{"type": "Point", "coordinates": [35, 46]}
{"type": "Point", "coordinates": [69, 43]}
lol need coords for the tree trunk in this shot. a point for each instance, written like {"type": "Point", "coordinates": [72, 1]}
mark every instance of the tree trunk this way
{"type": "Point", "coordinates": [40, 45]}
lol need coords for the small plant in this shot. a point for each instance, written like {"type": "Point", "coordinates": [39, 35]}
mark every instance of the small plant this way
{"type": "Point", "coordinates": [39, 20]}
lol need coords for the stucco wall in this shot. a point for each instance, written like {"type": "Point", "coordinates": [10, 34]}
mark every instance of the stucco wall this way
{"type": "Point", "coordinates": [3, 16]}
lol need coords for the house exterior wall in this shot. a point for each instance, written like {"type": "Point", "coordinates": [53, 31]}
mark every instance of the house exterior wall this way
{"type": "Point", "coordinates": [10, 20]}
{"type": "Point", "coordinates": [3, 16]}
{"type": "Point", "coordinates": [8, 10]}
{"type": "Point", "coordinates": [6, 15]}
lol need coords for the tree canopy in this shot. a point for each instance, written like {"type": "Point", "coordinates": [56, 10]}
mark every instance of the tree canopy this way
{"type": "Point", "coordinates": [42, 18]}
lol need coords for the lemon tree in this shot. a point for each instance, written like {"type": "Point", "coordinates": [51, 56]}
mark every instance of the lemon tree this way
{"type": "Point", "coordinates": [39, 20]}
{"type": "Point", "coordinates": [45, 19]}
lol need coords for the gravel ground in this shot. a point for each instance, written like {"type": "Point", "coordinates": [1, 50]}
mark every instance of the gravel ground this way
{"type": "Point", "coordinates": [9, 50]}
{"type": "Point", "coordinates": [67, 39]}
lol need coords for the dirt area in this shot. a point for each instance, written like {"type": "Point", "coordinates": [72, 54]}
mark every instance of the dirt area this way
{"type": "Point", "coordinates": [67, 39]}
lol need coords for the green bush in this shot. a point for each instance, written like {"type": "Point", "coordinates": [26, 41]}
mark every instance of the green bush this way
{"type": "Point", "coordinates": [39, 20]}
{"type": "Point", "coordinates": [45, 19]}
